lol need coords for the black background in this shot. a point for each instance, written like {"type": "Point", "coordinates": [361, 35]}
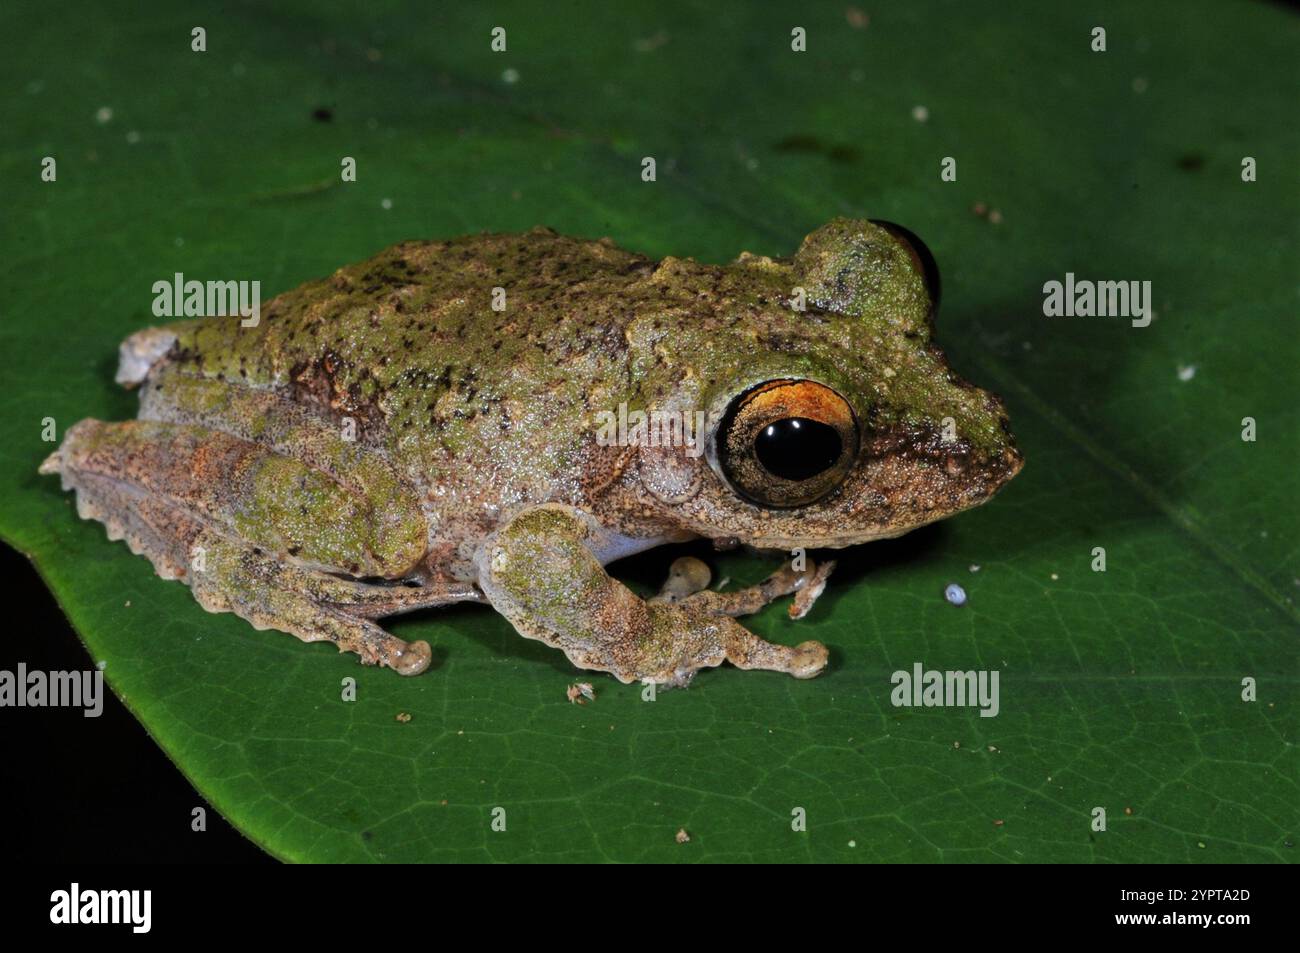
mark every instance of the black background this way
{"type": "Point", "coordinates": [89, 790]}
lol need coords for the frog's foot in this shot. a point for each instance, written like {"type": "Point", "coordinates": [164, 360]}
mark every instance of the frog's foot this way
{"type": "Point", "coordinates": [171, 491]}
{"type": "Point", "coordinates": [688, 577]}
{"type": "Point", "coordinates": [312, 605]}
{"type": "Point", "coordinates": [540, 573]}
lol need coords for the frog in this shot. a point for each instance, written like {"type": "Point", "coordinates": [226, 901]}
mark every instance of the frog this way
{"type": "Point", "coordinates": [427, 427]}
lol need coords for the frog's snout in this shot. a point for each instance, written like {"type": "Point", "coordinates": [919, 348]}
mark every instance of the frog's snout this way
{"type": "Point", "coordinates": [1013, 461]}
{"type": "Point", "coordinates": [987, 474]}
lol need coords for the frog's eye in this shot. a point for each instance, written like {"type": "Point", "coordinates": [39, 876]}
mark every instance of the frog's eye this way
{"type": "Point", "coordinates": [787, 442]}
{"type": "Point", "coordinates": [921, 258]}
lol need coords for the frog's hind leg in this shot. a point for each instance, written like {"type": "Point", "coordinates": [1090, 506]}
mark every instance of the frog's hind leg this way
{"type": "Point", "coordinates": [688, 580]}
{"type": "Point", "coordinates": [182, 496]}
{"type": "Point", "coordinates": [313, 605]}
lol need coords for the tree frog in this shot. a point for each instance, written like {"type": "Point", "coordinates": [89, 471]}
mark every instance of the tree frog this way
{"type": "Point", "coordinates": [424, 428]}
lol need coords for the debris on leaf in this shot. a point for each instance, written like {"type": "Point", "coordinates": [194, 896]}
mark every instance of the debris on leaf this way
{"type": "Point", "coordinates": [403, 716]}
{"type": "Point", "coordinates": [580, 693]}
{"type": "Point", "coordinates": [682, 837]}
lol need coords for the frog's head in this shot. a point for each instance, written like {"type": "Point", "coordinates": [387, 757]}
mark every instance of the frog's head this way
{"type": "Point", "coordinates": [846, 424]}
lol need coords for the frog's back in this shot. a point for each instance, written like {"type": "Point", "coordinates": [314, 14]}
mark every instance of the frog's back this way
{"type": "Point", "coordinates": [413, 307]}
{"type": "Point", "coordinates": [483, 397]}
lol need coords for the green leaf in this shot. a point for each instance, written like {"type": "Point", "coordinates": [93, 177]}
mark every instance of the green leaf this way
{"type": "Point", "coordinates": [1119, 689]}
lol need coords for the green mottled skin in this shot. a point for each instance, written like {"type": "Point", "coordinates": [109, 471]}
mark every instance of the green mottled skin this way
{"type": "Point", "coordinates": [499, 406]}
{"type": "Point", "coordinates": [467, 418]}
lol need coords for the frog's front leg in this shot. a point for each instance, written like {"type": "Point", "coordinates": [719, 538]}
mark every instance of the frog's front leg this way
{"type": "Point", "coordinates": [539, 571]}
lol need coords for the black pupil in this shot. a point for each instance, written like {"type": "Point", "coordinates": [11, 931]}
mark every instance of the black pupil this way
{"type": "Point", "coordinates": [797, 448]}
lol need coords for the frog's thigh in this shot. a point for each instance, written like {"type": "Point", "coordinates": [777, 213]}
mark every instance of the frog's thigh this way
{"type": "Point", "coordinates": [108, 466]}
{"type": "Point", "coordinates": [539, 572]}
{"type": "Point", "coordinates": [248, 492]}
{"type": "Point", "coordinates": [341, 449]}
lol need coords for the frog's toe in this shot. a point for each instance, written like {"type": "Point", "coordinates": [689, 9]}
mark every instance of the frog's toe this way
{"type": "Point", "coordinates": [808, 659]}
{"type": "Point", "coordinates": [806, 584]}
{"type": "Point", "coordinates": [412, 660]}
{"type": "Point", "coordinates": [686, 576]}
{"type": "Point", "coordinates": [811, 585]}
{"type": "Point", "coordinates": [746, 650]}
